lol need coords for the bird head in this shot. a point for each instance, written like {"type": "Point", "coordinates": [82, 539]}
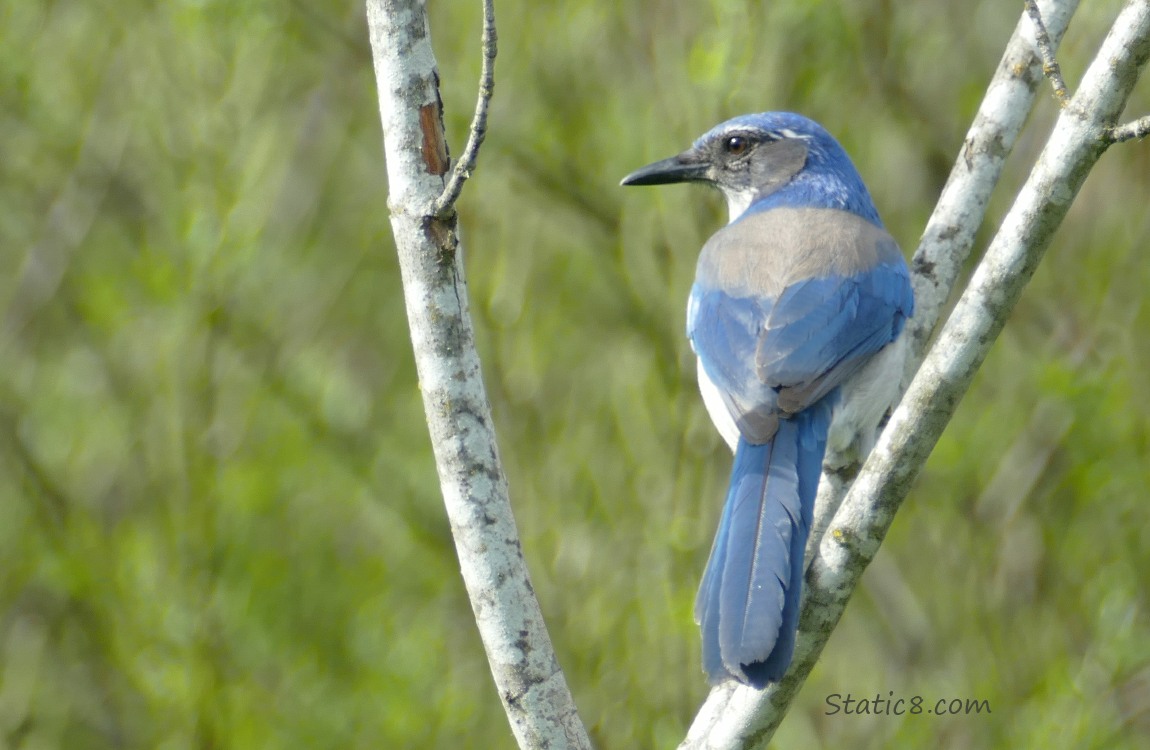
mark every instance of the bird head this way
{"type": "Point", "coordinates": [752, 157]}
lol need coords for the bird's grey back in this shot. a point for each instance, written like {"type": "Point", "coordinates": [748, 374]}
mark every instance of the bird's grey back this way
{"type": "Point", "coordinates": [765, 251]}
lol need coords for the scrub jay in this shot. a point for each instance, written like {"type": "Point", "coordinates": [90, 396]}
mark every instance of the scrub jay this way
{"type": "Point", "coordinates": [795, 317]}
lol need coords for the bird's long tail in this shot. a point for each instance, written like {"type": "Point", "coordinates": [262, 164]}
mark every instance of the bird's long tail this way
{"type": "Point", "coordinates": [748, 602]}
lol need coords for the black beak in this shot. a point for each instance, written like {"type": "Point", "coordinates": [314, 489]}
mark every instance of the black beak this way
{"type": "Point", "coordinates": [682, 168]}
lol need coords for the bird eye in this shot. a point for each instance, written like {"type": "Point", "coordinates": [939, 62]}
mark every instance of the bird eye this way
{"type": "Point", "coordinates": [736, 145]}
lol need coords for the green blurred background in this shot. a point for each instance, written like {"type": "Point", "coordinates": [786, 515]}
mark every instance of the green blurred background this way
{"type": "Point", "coordinates": [219, 519]}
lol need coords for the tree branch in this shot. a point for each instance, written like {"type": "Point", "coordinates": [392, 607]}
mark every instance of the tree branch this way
{"type": "Point", "coordinates": [445, 203]}
{"type": "Point", "coordinates": [949, 235]}
{"type": "Point", "coordinates": [1050, 67]}
{"type": "Point", "coordinates": [532, 687]}
{"type": "Point", "coordinates": [739, 717]}
{"type": "Point", "coordinates": [1139, 128]}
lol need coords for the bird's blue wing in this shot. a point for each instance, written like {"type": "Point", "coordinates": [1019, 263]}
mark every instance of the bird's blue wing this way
{"type": "Point", "coordinates": [821, 330]}
{"type": "Point", "coordinates": [793, 350]}
{"type": "Point", "coordinates": [724, 332]}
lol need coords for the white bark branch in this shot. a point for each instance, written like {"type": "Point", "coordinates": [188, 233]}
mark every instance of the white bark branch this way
{"type": "Point", "coordinates": [523, 663]}
{"type": "Point", "coordinates": [736, 717]}
{"type": "Point", "coordinates": [949, 235]}
{"type": "Point", "coordinates": [1137, 129]}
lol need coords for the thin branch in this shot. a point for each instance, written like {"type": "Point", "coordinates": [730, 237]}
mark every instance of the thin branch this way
{"type": "Point", "coordinates": [1137, 129]}
{"type": "Point", "coordinates": [445, 203]}
{"type": "Point", "coordinates": [1050, 66]}
{"type": "Point", "coordinates": [736, 717]}
{"type": "Point", "coordinates": [523, 663]}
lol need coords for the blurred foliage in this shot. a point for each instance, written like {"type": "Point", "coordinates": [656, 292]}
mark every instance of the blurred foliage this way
{"type": "Point", "coordinates": [219, 516]}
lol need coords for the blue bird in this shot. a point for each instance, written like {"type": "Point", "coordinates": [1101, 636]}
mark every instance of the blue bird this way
{"type": "Point", "coordinates": [795, 318]}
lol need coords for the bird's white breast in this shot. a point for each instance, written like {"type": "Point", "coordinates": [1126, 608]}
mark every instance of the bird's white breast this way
{"type": "Point", "coordinates": [866, 396]}
{"type": "Point", "coordinates": [720, 414]}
